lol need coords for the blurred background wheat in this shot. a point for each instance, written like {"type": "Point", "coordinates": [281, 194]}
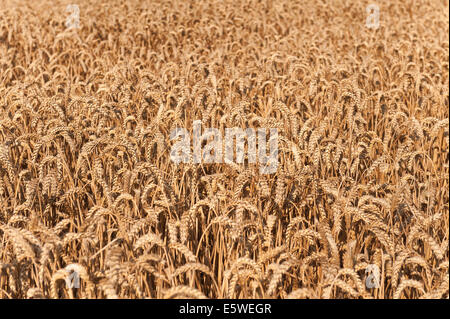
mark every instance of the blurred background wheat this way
{"type": "Point", "coordinates": [87, 184]}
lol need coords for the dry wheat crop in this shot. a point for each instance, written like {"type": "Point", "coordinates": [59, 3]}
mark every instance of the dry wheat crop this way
{"type": "Point", "coordinates": [87, 184]}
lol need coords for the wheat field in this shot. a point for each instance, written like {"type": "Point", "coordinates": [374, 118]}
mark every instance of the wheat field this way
{"type": "Point", "coordinates": [87, 184]}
